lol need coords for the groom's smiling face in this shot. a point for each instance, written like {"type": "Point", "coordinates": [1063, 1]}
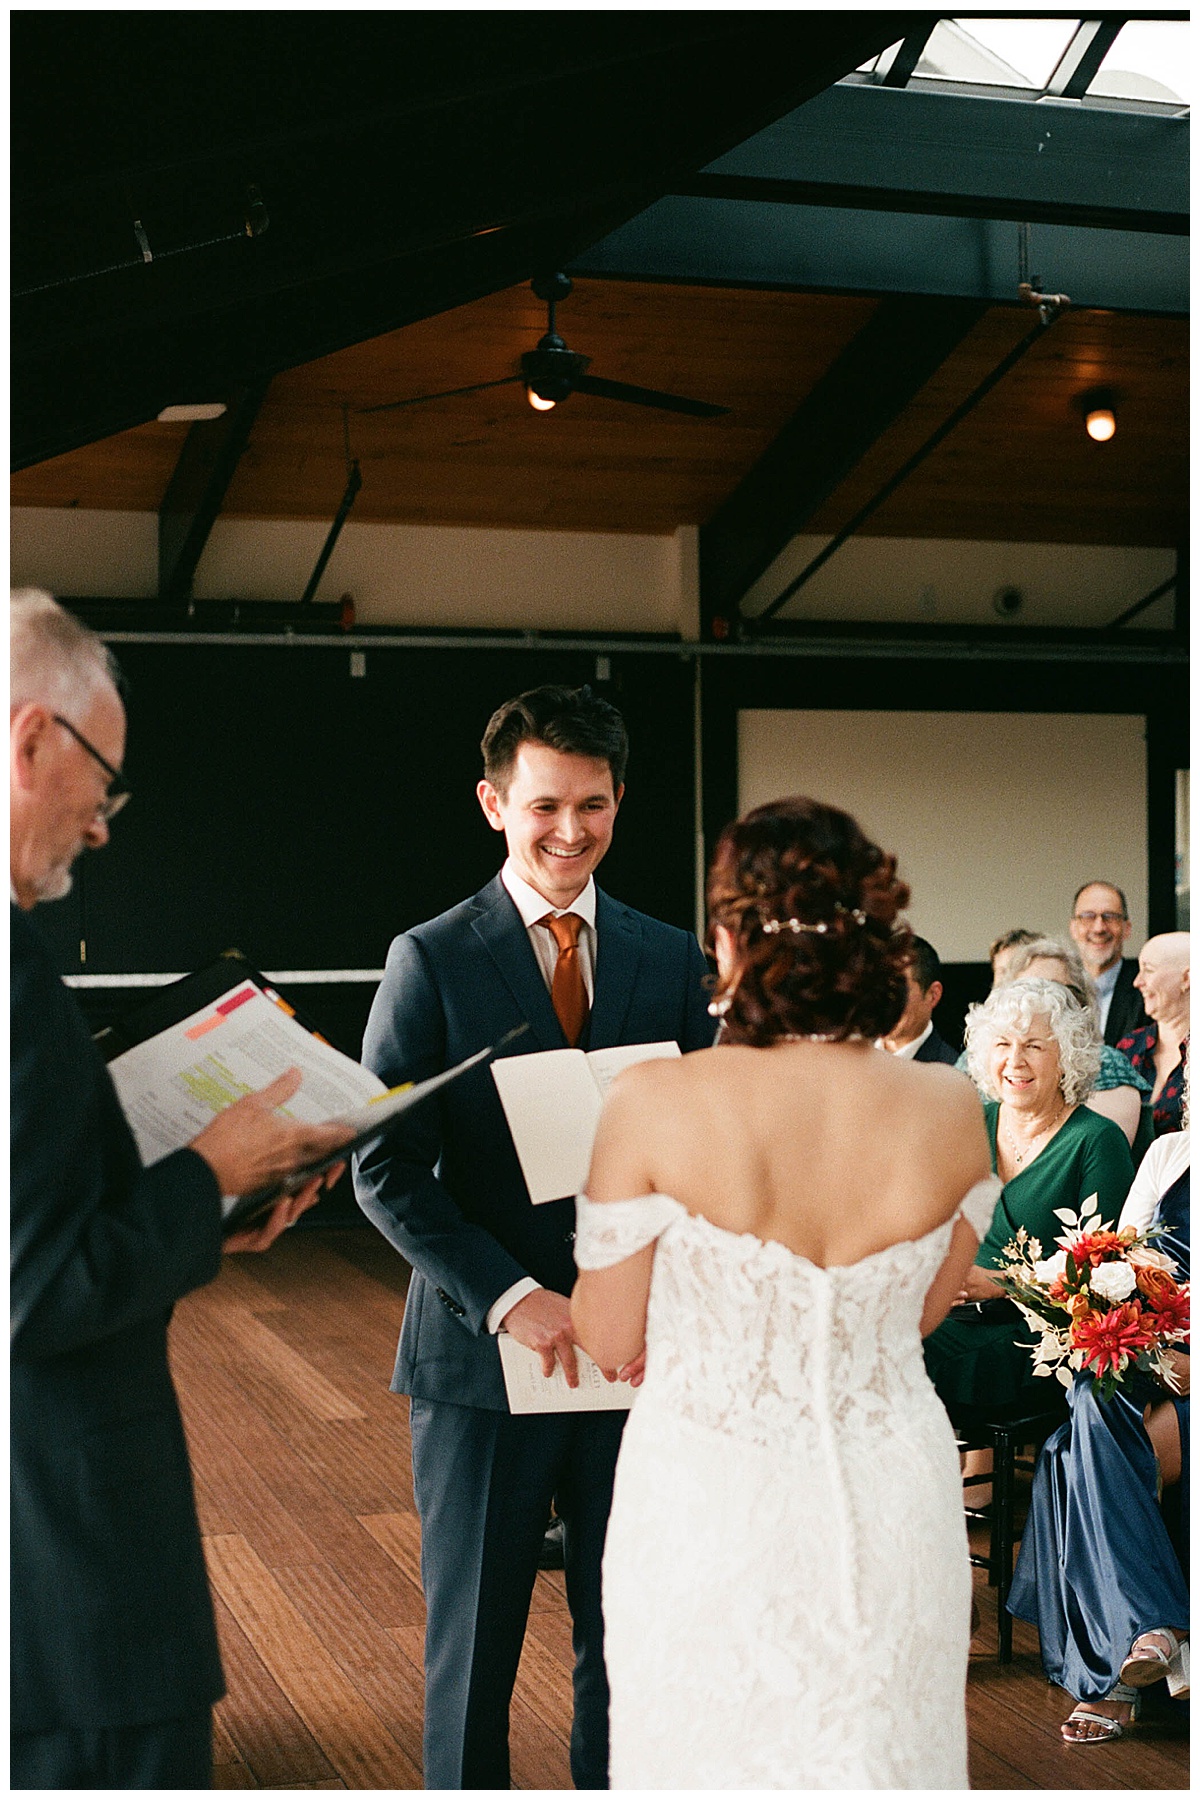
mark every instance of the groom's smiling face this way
{"type": "Point", "coordinates": [557, 817]}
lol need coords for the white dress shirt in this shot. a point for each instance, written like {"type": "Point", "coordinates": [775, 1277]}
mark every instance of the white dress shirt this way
{"type": "Point", "coordinates": [533, 906]}
{"type": "Point", "coordinates": [908, 1051]}
{"type": "Point", "coordinates": [1160, 1168]}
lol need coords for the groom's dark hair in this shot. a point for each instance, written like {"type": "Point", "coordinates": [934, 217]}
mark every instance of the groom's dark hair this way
{"type": "Point", "coordinates": [573, 720]}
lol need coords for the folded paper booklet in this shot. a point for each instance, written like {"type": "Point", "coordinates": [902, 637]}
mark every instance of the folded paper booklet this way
{"type": "Point", "coordinates": [552, 1101]}
{"type": "Point", "coordinates": [529, 1391]}
{"type": "Point", "coordinates": [172, 1084]}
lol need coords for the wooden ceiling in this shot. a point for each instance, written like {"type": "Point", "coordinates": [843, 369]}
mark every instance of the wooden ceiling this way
{"type": "Point", "coordinates": [1019, 468]}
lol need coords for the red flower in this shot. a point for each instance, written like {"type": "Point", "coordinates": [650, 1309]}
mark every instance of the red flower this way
{"type": "Point", "coordinates": [1172, 1307]}
{"type": "Point", "coordinates": [1110, 1339]}
{"type": "Point", "coordinates": [1095, 1247]}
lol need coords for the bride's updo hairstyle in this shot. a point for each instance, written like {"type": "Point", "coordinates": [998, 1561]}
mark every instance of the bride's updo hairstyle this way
{"type": "Point", "coordinates": [811, 905]}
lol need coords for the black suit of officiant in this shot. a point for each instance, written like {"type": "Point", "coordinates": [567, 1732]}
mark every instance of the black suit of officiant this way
{"type": "Point", "coordinates": [446, 1189]}
{"type": "Point", "coordinates": [113, 1641]}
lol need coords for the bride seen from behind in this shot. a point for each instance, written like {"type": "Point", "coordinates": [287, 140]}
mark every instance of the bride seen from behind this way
{"type": "Point", "coordinates": [776, 1221]}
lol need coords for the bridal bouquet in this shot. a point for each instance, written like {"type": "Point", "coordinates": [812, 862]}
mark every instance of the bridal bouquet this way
{"type": "Point", "coordinates": [1105, 1302]}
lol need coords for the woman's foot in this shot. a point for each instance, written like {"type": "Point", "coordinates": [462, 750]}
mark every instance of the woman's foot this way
{"type": "Point", "coordinates": [1099, 1721]}
{"type": "Point", "coordinates": [1152, 1656]}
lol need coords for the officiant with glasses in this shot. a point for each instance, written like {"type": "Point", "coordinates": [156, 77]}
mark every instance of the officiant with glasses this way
{"type": "Point", "coordinates": [113, 1645]}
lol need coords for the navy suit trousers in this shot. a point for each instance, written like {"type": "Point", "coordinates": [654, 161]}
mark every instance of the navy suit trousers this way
{"type": "Point", "coordinates": [484, 1482]}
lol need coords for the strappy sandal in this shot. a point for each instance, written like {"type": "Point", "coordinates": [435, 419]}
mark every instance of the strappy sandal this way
{"type": "Point", "coordinates": [1104, 1730]}
{"type": "Point", "coordinates": [1147, 1662]}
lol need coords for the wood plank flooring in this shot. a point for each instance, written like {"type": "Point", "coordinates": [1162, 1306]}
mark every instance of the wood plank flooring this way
{"type": "Point", "coordinates": [304, 1486]}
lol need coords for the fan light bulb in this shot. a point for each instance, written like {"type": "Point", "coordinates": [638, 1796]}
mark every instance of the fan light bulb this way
{"type": "Point", "coordinates": [1101, 424]}
{"type": "Point", "coordinates": [537, 403]}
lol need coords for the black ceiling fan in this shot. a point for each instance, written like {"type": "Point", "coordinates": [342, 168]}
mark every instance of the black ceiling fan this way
{"type": "Point", "coordinates": [552, 373]}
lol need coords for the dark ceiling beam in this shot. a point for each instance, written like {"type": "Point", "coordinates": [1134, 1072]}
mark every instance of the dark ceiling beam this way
{"type": "Point", "coordinates": [1080, 61]}
{"type": "Point", "coordinates": [380, 213]}
{"type": "Point", "coordinates": [196, 491]}
{"type": "Point", "coordinates": [940, 205]}
{"type": "Point", "coordinates": [908, 55]}
{"type": "Point", "coordinates": [826, 250]}
{"type": "Point", "coordinates": [877, 375]}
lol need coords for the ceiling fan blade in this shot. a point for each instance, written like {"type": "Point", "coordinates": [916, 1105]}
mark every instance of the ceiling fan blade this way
{"type": "Point", "coordinates": [476, 387]}
{"type": "Point", "coordinates": [641, 396]}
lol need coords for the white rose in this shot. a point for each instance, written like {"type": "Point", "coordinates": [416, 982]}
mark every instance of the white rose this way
{"type": "Point", "coordinates": [1143, 1257]}
{"type": "Point", "coordinates": [1113, 1281]}
{"type": "Point", "coordinates": [1052, 1269]}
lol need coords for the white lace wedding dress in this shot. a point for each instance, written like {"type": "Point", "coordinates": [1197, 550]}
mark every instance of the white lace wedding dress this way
{"type": "Point", "coordinates": [786, 1585]}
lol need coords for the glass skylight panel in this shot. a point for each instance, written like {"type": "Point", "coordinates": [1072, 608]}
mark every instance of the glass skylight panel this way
{"type": "Point", "coordinates": [956, 53]}
{"type": "Point", "coordinates": [1148, 61]}
{"type": "Point", "coordinates": [1030, 47]}
{"type": "Point", "coordinates": [884, 58]}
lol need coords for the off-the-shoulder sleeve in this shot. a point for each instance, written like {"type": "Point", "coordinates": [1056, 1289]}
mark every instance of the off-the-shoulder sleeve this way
{"type": "Point", "coordinates": [607, 1231]}
{"type": "Point", "coordinates": [979, 1203]}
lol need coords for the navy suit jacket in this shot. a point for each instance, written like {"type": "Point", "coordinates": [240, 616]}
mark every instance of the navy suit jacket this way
{"type": "Point", "coordinates": [111, 1619]}
{"type": "Point", "coordinates": [1125, 1010]}
{"type": "Point", "coordinates": [445, 1186]}
{"type": "Point", "coordinates": [936, 1049]}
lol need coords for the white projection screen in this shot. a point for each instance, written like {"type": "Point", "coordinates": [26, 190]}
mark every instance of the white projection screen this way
{"type": "Point", "coordinates": [996, 818]}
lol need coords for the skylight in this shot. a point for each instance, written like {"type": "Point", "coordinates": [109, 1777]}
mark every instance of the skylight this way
{"type": "Point", "coordinates": [1031, 48]}
{"type": "Point", "coordinates": [1148, 61]}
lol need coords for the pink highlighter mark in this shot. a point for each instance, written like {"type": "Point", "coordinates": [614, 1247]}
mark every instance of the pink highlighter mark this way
{"type": "Point", "coordinates": [199, 1030]}
{"type": "Point", "coordinates": [236, 1000]}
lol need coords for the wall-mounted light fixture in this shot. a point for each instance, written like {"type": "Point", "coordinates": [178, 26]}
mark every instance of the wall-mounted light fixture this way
{"type": "Point", "coordinates": [1099, 409]}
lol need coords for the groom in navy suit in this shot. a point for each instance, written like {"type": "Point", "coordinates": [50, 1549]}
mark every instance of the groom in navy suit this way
{"type": "Point", "coordinates": [541, 945]}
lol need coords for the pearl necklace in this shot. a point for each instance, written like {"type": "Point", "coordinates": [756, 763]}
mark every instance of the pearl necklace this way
{"type": "Point", "coordinates": [1020, 1156]}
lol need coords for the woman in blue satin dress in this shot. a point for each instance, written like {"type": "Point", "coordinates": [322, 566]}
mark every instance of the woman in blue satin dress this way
{"type": "Point", "coordinates": [1099, 1573]}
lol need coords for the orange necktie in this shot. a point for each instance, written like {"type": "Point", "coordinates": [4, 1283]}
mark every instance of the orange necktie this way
{"type": "Point", "coordinates": [568, 992]}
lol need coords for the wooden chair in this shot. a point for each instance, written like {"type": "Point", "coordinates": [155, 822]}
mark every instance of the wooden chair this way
{"type": "Point", "coordinates": [1004, 1431]}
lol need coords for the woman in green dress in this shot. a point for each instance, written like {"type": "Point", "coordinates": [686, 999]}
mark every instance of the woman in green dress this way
{"type": "Point", "coordinates": [1033, 1051]}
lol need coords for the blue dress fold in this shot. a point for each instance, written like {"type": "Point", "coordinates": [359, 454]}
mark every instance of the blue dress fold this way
{"type": "Point", "coordinates": [1097, 1566]}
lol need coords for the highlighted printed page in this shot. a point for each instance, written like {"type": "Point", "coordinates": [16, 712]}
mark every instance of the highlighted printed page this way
{"type": "Point", "coordinates": [173, 1085]}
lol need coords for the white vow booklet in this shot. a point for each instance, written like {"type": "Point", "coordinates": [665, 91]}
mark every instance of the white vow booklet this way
{"type": "Point", "coordinates": [552, 1100]}
{"type": "Point", "coordinates": [529, 1391]}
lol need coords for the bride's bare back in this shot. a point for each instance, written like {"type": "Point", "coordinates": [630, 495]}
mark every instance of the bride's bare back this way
{"type": "Point", "coordinates": [834, 1150]}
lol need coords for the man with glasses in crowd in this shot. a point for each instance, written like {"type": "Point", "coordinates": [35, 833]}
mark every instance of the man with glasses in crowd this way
{"type": "Point", "coordinates": [114, 1654]}
{"type": "Point", "coordinates": [1100, 925]}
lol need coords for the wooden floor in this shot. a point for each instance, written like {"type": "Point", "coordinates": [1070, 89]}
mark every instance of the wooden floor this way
{"type": "Point", "coordinates": [302, 1475]}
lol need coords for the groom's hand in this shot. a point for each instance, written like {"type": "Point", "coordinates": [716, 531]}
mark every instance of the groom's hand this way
{"type": "Point", "coordinates": [542, 1322]}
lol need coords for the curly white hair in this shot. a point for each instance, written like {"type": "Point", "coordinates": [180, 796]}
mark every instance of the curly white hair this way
{"type": "Point", "coordinates": [1018, 1003]}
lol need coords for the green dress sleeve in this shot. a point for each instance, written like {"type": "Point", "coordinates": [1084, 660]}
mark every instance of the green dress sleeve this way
{"type": "Point", "coordinates": [1106, 1170]}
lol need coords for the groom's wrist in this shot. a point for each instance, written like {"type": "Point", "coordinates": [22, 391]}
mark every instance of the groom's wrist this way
{"type": "Point", "coordinates": [500, 1309]}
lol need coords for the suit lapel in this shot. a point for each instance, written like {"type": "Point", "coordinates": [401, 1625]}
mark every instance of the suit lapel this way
{"type": "Point", "coordinates": [499, 925]}
{"type": "Point", "coordinates": [618, 954]}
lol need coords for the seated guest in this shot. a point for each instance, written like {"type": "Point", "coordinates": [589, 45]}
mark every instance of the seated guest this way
{"type": "Point", "coordinates": [1033, 1051]}
{"type": "Point", "coordinates": [1120, 1093]}
{"type": "Point", "coordinates": [1159, 1050]}
{"type": "Point", "coordinates": [913, 1035]}
{"type": "Point", "coordinates": [1098, 1573]}
{"type": "Point", "coordinates": [1100, 926]}
{"type": "Point", "coordinates": [1005, 947]}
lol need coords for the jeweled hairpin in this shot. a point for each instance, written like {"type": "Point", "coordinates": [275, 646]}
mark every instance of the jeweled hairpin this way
{"type": "Point", "coordinates": [771, 927]}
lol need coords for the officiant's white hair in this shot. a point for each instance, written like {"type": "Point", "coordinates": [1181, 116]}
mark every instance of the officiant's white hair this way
{"type": "Point", "coordinates": [1019, 1003]}
{"type": "Point", "coordinates": [54, 659]}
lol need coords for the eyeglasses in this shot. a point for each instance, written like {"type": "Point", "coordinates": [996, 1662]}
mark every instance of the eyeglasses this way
{"type": "Point", "coordinates": [1089, 918]}
{"type": "Point", "coordinates": [118, 789]}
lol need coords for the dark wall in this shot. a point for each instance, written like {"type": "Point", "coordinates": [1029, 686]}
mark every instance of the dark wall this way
{"type": "Point", "coordinates": [304, 816]}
